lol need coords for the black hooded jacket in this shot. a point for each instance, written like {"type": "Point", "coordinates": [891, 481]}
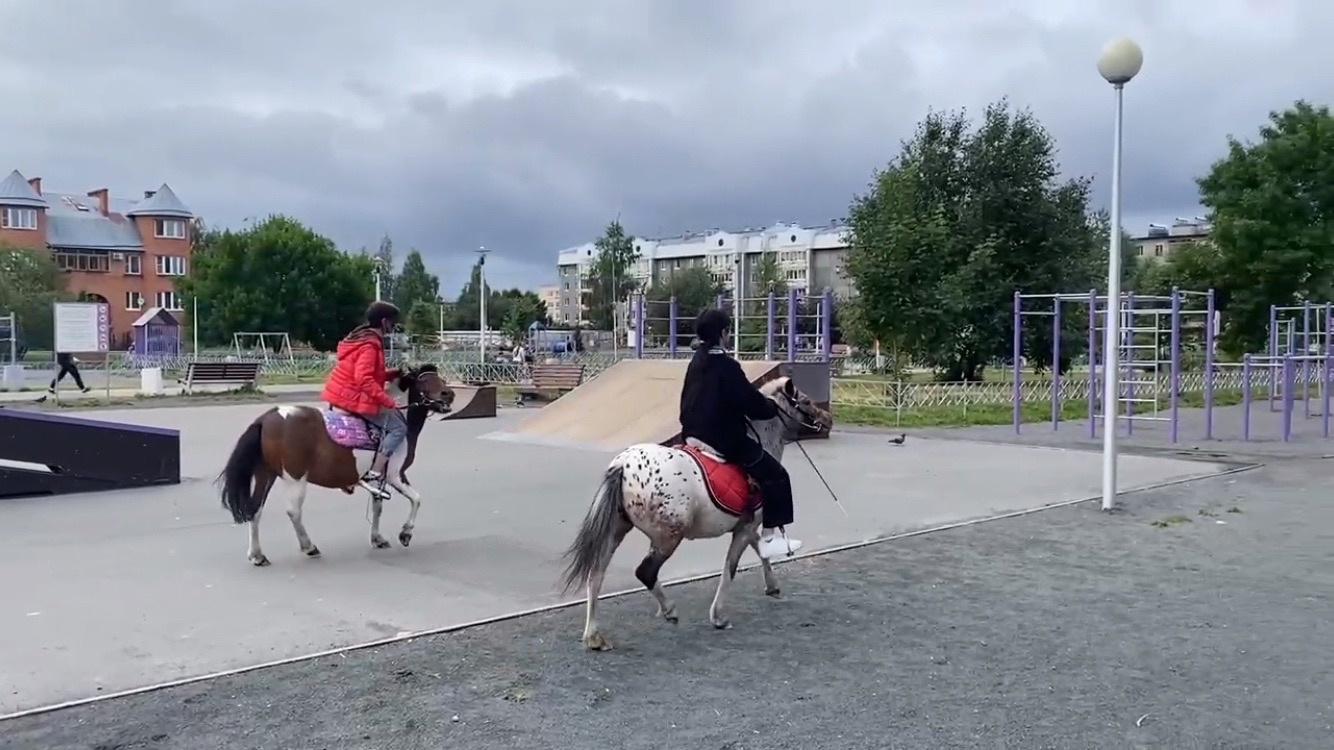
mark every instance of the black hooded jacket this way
{"type": "Point", "coordinates": [716, 399]}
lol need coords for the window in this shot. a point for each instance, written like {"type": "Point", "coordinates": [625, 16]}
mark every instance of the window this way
{"type": "Point", "coordinates": [90, 262]}
{"type": "Point", "coordinates": [169, 229]}
{"type": "Point", "coordinates": [134, 264]}
{"type": "Point", "coordinates": [134, 301]}
{"type": "Point", "coordinates": [168, 301]}
{"type": "Point", "coordinates": [1157, 250]}
{"type": "Point", "coordinates": [18, 218]}
{"type": "Point", "coordinates": [169, 265]}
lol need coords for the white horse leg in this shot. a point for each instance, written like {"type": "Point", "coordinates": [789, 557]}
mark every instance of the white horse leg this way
{"type": "Point", "coordinates": [263, 484]}
{"type": "Point", "coordinates": [294, 505]}
{"type": "Point", "coordinates": [406, 490]}
{"type": "Point", "coordinates": [740, 538]}
{"type": "Point", "coordinates": [377, 509]}
{"type": "Point", "coordinates": [770, 580]}
{"type": "Point", "coordinates": [593, 638]}
{"type": "Point", "coordinates": [254, 554]}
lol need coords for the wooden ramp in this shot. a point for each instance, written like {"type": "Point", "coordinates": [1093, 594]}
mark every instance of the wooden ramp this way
{"type": "Point", "coordinates": [633, 401]}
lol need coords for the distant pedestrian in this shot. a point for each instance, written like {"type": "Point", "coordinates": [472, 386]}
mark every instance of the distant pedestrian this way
{"type": "Point", "coordinates": [69, 365]}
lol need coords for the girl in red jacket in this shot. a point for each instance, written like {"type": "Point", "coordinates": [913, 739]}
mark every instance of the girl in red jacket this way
{"type": "Point", "coordinates": [357, 382]}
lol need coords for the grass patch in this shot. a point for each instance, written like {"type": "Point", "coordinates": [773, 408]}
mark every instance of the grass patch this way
{"type": "Point", "coordinates": [1164, 523]}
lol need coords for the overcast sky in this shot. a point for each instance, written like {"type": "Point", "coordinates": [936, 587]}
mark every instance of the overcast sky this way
{"type": "Point", "coordinates": [526, 125]}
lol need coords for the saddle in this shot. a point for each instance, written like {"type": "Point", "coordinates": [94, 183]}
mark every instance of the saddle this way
{"type": "Point", "coordinates": [729, 488]}
{"type": "Point", "coordinates": [352, 431]}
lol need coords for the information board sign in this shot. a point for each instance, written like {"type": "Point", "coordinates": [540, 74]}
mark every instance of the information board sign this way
{"type": "Point", "coordinates": [82, 327]}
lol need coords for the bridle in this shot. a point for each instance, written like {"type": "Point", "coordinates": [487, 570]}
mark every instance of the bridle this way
{"type": "Point", "coordinates": [416, 397]}
{"type": "Point", "coordinates": [803, 419]}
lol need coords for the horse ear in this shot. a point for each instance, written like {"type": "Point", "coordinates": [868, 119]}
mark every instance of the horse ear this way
{"type": "Point", "coordinates": [789, 388]}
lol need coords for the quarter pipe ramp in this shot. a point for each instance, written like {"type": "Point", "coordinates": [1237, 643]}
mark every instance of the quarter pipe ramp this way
{"type": "Point", "coordinates": [633, 401]}
{"type": "Point", "coordinates": [473, 401]}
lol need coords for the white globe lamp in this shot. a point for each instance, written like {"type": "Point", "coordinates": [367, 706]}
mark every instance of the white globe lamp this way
{"type": "Point", "coordinates": [1120, 61]}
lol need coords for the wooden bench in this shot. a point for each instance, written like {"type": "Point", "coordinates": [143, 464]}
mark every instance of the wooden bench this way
{"type": "Point", "coordinates": [553, 380]}
{"type": "Point", "coordinates": [220, 373]}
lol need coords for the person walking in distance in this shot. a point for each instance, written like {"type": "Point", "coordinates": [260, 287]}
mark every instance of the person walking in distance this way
{"type": "Point", "coordinates": [68, 365]}
{"type": "Point", "coordinates": [716, 401]}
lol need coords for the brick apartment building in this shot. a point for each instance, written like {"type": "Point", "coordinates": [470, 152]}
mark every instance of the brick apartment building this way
{"type": "Point", "coordinates": [127, 253]}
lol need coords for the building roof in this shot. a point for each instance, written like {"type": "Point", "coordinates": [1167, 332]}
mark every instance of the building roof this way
{"type": "Point", "coordinates": [161, 202]}
{"type": "Point", "coordinates": [155, 314]}
{"type": "Point", "coordinates": [780, 236]}
{"type": "Point", "coordinates": [15, 191]}
{"type": "Point", "coordinates": [73, 222]}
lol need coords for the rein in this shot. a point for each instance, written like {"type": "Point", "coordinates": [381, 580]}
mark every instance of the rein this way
{"type": "Point", "coordinates": [801, 421]}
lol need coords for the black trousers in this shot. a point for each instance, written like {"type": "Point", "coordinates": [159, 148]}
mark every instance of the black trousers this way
{"type": "Point", "coordinates": [774, 482]}
{"type": "Point", "coordinates": [67, 368]}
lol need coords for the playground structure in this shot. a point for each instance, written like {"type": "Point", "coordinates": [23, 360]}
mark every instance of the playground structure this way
{"type": "Point", "coordinates": [802, 331]}
{"type": "Point", "coordinates": [1155, 331]}
{"type": "Point", "coordinates": [266, 346]}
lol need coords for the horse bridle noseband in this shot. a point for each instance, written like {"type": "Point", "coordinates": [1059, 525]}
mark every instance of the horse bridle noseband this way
{"type": "Point", "coordinates": [421, 398]}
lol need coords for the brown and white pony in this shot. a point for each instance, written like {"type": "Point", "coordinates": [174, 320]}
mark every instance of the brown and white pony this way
{"type": "Point", "coordinates": [673, 493]}
{"type": "Point", "coordinates": [303, 445]}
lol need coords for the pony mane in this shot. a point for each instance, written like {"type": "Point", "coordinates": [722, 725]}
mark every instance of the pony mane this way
{"type": "Point", "coordinates": [771, 387]}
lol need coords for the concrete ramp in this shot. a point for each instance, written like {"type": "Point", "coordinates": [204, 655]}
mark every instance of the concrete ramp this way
{"type": "Point", "coordinates": [473, 401]}
{"type": "Point", "coordinates": [633, 401]}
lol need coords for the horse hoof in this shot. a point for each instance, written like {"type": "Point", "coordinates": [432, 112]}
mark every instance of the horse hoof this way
{"type": "Point", "coordinates": [597, 642]}
{"type": "Point", "coordinates": [313, 552]}
{"type": "Point", "coordinates": [722, 624]}
{"type": "Point", "coordinates": [380, 543]}
{"type": "Point", "coordinates": [405, 538]}
{"type": "Point", "coordinates": [775, 593]}
{"type": "Point", "coordinates": [259, 561]}
{"type": "Point", "coordinates": [670, 617]}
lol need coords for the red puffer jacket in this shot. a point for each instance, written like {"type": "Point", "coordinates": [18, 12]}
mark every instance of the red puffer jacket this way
{"type": "Point", "coordinates": [357, 381]}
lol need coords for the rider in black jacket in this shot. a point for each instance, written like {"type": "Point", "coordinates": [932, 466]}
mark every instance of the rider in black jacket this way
{"type": "Point", "coordinates": [716, 401]}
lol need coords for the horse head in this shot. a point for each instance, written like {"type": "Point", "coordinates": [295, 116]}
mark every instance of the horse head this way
{"type": "Point", "coordinates": [795, 408]}
{"type": "Point", "coordinates": [426, 389]}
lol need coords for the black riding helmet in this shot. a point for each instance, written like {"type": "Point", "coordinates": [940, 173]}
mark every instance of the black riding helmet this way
{"type": "Point", "coordinates": [379, 312]}
{"type": "Point", "coordinates": [709, 326]}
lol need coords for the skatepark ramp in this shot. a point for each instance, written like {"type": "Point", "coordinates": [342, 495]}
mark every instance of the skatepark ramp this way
{"type": "Point", "coordinates": [473, 401]}
{"type": "Point", "coordinates": [633, 401]}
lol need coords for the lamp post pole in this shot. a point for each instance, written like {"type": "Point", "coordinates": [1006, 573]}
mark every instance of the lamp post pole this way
{"type": "Point", "coordinates": [1120, 61]}
{"type": "Point", "coordinates": [481, 300]}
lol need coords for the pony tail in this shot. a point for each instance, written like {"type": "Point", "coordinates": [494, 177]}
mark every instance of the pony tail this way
{"type": "Point", "coordinates": [593, 544]}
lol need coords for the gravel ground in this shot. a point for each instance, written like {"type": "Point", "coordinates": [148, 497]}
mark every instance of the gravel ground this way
{"type": "Point", "coordinates": [1190, 619]}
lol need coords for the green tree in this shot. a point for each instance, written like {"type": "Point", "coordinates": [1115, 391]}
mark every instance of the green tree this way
{"type": "Point", "coordinates": [958, 221]}
{"type": "Point", "coordinates": [694, 290]}
{"type": "Point", "coordinates": [466, 313]}
{"type": "Point", "coordinates": [278, 275]}
{"type": "Point", "coordinates": [1270, 203]}
{"type": "Point", "coordinates": [30, 282]}
{"type": "Point", "coordinates": [610, 278]}
{"type": "Point", "coordinates": [414, 283]}
{"type": "Point", "coordinates": [522, 309]}
{"type": "Point", "coordinates": [422, 319]}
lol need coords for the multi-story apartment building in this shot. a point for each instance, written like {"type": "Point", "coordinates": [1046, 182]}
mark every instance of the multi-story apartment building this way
{"type": "Point", "coordinates": [127, 253]}
{"type": "Point", "coordinates": [1161, 239]}
{"type": "Point", "coordinates": [811, 259]}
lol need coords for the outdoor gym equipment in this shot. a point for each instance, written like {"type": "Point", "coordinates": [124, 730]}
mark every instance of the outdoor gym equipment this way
{"type": "Point", "coordinates": [783, 338]}
{"type": "Point", "coordinates": [1151, 344]}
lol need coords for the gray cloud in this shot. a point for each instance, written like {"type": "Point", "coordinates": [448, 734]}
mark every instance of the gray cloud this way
{"type": "Point", "coordinates": [525, 126]}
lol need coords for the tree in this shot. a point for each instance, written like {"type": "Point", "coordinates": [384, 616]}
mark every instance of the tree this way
{"type": "Point", "coordinates": [414, 283]}
{"type": "Point", "coordinates": [521, 310]}
{"type": "Point", "coordinates": [30, 282]}
{"type": "Point", "coordinates": [280, 276]}
{"type": "Point", "coordinates": [958, 221]}
{"type": "Point", "coordinates": [610, 277]}
{"type": "Point", "coordinates": [422, 318]}
{"type": "Point", "coordinates": [1270, 204]}
{"type": "Point", "coordinates": [694, 290]}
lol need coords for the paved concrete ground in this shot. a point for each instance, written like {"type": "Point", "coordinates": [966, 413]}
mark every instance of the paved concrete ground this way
{"type": "Point", "coordinates": [118, 590]}
{"type": "Point", "coordinates": [1064, 629]}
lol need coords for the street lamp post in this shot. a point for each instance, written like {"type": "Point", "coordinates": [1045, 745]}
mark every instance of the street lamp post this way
{"type": "Point", "coordinates": [481, 301]}
{"type": "Point", "coordinates": [1119, 62]}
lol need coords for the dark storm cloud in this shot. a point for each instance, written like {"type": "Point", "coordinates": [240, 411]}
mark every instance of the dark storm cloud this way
{"type": "Point", "coordinates": [526, 126]}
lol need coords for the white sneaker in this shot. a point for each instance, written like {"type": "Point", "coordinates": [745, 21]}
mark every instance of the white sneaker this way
{"type": "Point", "coordinates": [778, 546]}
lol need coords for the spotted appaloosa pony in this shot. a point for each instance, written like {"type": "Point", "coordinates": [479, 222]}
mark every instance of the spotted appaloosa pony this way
{"type": "Point", "coordinates": [679, 492]}
{"type": "Point", "coordinates": [303, 445]}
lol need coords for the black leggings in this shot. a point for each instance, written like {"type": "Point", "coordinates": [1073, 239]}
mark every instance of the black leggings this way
{"type": "Point", "coordinates": [775, 485]}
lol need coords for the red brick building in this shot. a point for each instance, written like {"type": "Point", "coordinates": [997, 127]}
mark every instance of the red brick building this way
{"type": "Point", "coordinates": [127, 253]}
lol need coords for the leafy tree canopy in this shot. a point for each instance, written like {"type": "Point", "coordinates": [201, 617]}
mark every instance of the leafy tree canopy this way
{"type": "Point", "coordinates": [1270, 204]}
{"type": "Point", "coordinates": [30, 282]}
{"type": "Point", "coordinates": [610, 278]}
{"type": "Point", "coordinates": [958, 221]}
{"type": "Point", "coordinates": [278, 275]}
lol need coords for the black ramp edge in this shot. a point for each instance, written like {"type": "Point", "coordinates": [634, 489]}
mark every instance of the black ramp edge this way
{"type": "Point", "coordinates": [83, 455]}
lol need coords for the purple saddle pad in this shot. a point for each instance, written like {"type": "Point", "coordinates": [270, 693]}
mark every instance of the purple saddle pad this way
{"type": "Point", "coordinates": [348, 431]}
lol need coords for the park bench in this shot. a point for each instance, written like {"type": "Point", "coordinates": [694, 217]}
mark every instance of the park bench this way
{"type": "Point", "coordinates": [553, 380]}
{"type": "Point", "coordinates": [220, 373]}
